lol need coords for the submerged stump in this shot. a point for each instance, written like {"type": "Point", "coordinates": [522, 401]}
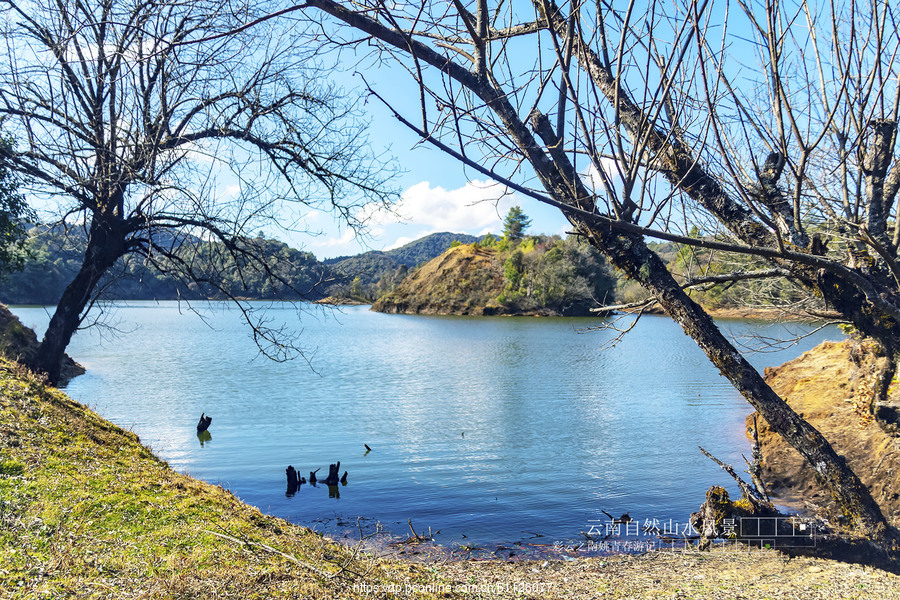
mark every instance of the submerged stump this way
{"type": "Point", "coordinates": [292, 482]}
{"type": "Point", "coordinates": [204, 422]}
{"type": "Point", "coordinates": [333, 474]}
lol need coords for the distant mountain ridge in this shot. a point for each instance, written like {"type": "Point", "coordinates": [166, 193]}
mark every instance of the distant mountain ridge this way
{"type": "Point", "coordinates": [369, 275]}
{"type": "Point", "coordinates": [56, 257]}
{"type": "Point", "coordinates": [414, 253]}
{"type": "Point", "coordinates": [429, 247]}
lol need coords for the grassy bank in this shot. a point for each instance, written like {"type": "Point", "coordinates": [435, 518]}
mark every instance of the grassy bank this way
{"type": "Point", "coordinates": [87, 512]}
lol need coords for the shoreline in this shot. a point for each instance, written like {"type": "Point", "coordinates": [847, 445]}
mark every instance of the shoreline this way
{"type": "Point", "coordinates": [89, 511]}
{"type": "Point", "coordinates": [831, 386]}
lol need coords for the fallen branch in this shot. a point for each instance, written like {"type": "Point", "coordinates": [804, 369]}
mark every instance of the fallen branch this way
{"type": "Point", "coordinates": [293, 559]}
{"type": "Point", "coordinates": [748, 492]}
{"type": "Point", "coordinates": [415, 538]}
{"type": "Point", "coordinates": [755, 467]}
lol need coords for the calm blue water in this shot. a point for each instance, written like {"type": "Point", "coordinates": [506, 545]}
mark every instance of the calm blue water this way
{"type": "Point", "coordinates": [487, 429]}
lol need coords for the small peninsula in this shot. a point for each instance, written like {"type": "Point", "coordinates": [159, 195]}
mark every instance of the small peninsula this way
{"type": "Point", "coordinates": [540, 275]}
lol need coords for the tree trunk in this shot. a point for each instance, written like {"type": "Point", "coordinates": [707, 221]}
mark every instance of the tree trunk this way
{"type": "Point", "coordinates": [853, 499]}
{"type": "Point", "coordinates": [106, 243]}
{"type": "Point", "coordinates": [629, 252]}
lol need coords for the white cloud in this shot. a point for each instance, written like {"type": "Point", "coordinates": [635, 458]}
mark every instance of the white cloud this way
{"type": "Point", "coordinates": [478, 206]}
{"type": "Point", "coordinates": [594, 179]}
{"type": "Point", "coordinates": [347, 237]}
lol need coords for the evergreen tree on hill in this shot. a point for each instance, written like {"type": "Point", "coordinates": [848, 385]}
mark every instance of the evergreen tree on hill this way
{"type": "Point", "coordinates": [515, 224]}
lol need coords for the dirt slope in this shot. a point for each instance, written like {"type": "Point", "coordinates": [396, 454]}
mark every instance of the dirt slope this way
{"type": "Point", "coordinates": [828, 386]}
{"type": "Point", "coordinates": [465, 280]}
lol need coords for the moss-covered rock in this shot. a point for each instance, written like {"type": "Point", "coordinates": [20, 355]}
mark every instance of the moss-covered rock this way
{"type": "Point", "coordinates": [19, 343]}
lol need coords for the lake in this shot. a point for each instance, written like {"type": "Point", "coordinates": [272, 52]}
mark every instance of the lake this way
{"type": "Point", "coordinates": [489, 430]}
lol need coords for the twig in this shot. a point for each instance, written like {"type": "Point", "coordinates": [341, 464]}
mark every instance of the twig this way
{"type": "Point", "coordinates": [755, 468]}
{"type": "Point", "coordinates": [356, 550]}
{"type": "Point", "coordinates": [629, 306]}
{"type": "Point", "coordinates": [293, 559]}
{"type": "Point", "coordinates": [748, 492]}
{"type": "Point", "coordinates": [698, 281]}
{"type": "Point", "coordinates": [415, 535]}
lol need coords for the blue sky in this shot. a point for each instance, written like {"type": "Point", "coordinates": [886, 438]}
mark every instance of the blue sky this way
{"type": "Point", "coordinates": [438, 194]}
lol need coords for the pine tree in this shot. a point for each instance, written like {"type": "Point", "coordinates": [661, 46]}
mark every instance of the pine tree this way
{"type": "Point", "coordinates": [515, 224]}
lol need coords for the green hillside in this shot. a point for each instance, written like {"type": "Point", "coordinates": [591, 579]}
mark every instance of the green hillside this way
{"type": "Point", "coordinates": [538, 276]}
{"type": "Point", "coordinates": [55, 256]}
{"type": "Point", "coordinates": [370, 275]}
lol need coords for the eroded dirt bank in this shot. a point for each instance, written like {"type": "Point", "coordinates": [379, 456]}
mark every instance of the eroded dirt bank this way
{"type": "Point", "coordinates": [830, 386]}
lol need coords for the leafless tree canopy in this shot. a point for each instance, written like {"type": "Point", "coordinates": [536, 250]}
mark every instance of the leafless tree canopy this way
{"type": "Point", "coordinates": [769, 125]}
{"type": "Point", "coordinates": [148, 126]}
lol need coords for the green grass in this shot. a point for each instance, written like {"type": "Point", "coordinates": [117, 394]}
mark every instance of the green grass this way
{"type": "Point", "coordinates": [87, 511]}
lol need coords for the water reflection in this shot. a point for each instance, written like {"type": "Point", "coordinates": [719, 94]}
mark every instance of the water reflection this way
{"type": "Point", "coordinates": [204, 436]}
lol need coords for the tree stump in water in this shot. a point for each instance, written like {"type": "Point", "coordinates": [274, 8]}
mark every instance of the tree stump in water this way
{"type": "Point", "coordinates": [292, 481]}
{"type": "Point", "coordinates": [333, 476]}
{"type": "Point", "coordinates": [204, 422]}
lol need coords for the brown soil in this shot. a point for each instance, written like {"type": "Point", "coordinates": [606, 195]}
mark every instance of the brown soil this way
{"type": "Point", "coordinates": [830, 387]}
{"type": "Point", "coordinates": [462, 281]}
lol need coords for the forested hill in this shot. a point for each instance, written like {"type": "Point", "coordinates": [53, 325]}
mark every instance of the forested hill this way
{"type": "Point", "coordinates": [538, 275]}
{"type": "Point", "coordinates": [55, 256]}
{"type": "Point", "coordinates": [370, 275]}
{"type": "Point", "coordinates": [414, 253]}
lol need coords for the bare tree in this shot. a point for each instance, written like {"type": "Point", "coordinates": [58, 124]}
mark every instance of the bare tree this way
{"type": "Point", "coordinates": [769, 125]}
{"type": "Point", "coordinates": [152, 129]}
